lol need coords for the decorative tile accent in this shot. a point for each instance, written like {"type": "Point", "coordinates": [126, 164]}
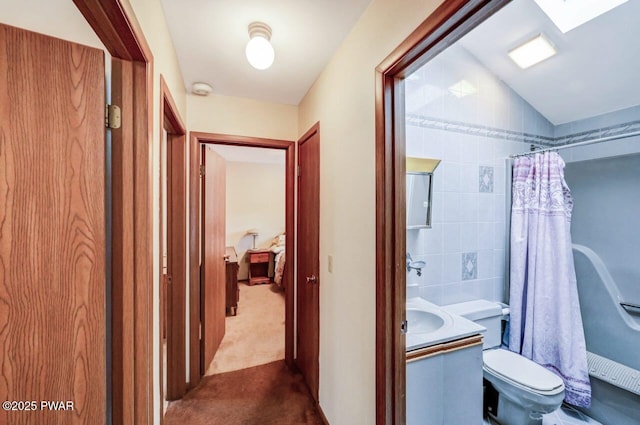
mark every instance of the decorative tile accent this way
{"type": "Point", "coordinates": [477, 130]}
{"type": "Point", "coordinates": [515, 136]}
{"type": "Point", "coordinates": [597, 133]}
{"type": "Point", "coordinates": [469, 265]}
{"type": "Point", "coordinates": [486, 179]}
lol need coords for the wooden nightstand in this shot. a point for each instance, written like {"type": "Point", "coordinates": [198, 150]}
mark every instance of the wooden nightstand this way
{"type": "Point", "coordinates": [233, 295]}
{"type": "Point", "coordinates": [259, 266]}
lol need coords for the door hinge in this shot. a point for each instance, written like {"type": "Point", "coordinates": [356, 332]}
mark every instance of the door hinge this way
{"type": "Point", "coordinates": [298, 171]}
{"type": "Point", "coordinates": [112, 116]}
{"type": "Point", "coordinates": [200, 331]}
{"type": "Point", "coordinates": [404, 327]}
{"type": "Point", "coordinates": [202, 171]}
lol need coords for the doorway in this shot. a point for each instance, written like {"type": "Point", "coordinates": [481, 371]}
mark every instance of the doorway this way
{"type": "Point", "coordinates": [129, 326]}
{"type": "Point", "coordinates": [252, 239]}
{"type": "Point", "coordinates": [173, 269]}
{"type": "Point", "coordinates": [449, 22]}
{"type": "Point", "coordinates": [197, 140]}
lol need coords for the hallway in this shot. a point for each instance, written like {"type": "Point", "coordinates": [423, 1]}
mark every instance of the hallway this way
{"type": "Point", "coordinates": [255, 336]}
{"type": "Point", "coordinates": [248, 382]}
{"type": "Point", "coordinates": [263, 395]}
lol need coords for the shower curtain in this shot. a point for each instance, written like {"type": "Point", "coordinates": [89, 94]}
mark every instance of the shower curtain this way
{"type": "Point", "coordinates": [545, 324]}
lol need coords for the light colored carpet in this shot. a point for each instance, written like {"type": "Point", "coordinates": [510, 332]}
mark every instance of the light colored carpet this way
{"type": "Point", "coordinates": [255, 336]}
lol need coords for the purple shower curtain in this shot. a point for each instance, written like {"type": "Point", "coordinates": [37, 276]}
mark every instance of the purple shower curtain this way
{"type": "Point", "coordinates": [545, 324]}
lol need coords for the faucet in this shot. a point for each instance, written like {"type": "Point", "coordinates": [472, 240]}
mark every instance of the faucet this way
{"type": "Point", "coordinates": [414, 265]}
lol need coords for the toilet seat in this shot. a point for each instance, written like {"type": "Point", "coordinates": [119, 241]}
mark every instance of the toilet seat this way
{"type": "Point", "coordinates": [521, 372]}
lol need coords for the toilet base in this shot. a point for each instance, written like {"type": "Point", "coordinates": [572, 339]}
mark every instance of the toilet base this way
{"type": "Point", "coordinates": [510, 413]}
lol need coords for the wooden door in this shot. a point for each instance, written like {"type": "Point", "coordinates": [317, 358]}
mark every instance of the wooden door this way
{"type": "Point", "coordinates": [52, 228]}
{"type": "Point", "coordinates": [212, 293]}
{"type": "Point", "coordinates": [308, 259]}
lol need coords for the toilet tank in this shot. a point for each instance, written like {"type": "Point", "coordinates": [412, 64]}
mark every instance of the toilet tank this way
{"type": "Point", "coordinates": [484, 313]}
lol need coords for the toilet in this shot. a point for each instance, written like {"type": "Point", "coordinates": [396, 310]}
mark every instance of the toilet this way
{"type": "Point", "coordinates": [525, 389]}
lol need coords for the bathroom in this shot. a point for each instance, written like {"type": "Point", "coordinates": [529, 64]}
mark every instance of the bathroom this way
{"type": "Point", "coordinates": [470, 112]}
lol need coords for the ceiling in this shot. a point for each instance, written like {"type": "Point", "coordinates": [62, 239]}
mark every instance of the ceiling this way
{"type": "Point", "coordinates": [595, 71]}
{"type": "Point", "coordinates": [210, 37]}
{"type": "Point", "coordinates": [249, 154]}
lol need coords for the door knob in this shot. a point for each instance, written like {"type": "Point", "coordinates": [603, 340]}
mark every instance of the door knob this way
{"type": "Point", "coordinates": [312, 279]}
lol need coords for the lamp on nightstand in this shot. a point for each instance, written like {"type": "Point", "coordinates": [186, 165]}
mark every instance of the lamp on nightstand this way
{"type": "Point", "coordinates": [254, 233]}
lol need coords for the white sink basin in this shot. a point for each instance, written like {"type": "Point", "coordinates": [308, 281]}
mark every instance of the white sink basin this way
{"type": "Point", "coordinates": [420, 321]}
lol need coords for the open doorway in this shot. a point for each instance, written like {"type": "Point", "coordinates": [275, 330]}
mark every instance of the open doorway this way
{"type": "Point", "coordinates": [468, 115]}
{"type": "Point", "coordinates": [172, 250]}
{"type": "Point", "coordinates": [255, 255]}
{"type": "Point", "coordinates": [241, 237]}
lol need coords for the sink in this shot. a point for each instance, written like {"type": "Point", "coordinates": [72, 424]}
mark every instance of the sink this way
{"type": "Point", "coordinates": [429, 324]}
{"type": "Point", "coordinates": [420, 321]}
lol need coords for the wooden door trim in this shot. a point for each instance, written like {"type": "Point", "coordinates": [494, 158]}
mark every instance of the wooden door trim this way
{"type": "Point", "coordinates": [176, 176]}
{"type": "Point", "coordinates": [449, 22]}
{"type": "Point", "coordinates": [314, 130]}
{"type": "Point", "coordinates": [309, 133]}
{"type": "Point", "coordinates": [196, 139]}
{"type": "Point", "coordinates": [115, 24]}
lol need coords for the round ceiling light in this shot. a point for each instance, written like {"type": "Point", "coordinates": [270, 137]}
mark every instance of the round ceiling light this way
{"type": "Point", "coordinates": [259, 50]}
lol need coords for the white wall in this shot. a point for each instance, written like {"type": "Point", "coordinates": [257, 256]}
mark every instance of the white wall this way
{"type": "Point", "coordinates": [255, 199]}
{"type": "Point", "coordinates": [342, 99]}
{"type": "Point", "coordinates": [242, 117]}
{"type": "Point", "coordinates": [469, 219]}
{"type": "Point", "coordinates": [70, 24]}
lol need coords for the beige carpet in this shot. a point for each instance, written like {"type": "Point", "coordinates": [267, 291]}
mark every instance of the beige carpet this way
{"type": "Point", "coordinates": [255, 336]}
{"type": "Point", "coordinates": [263, 395]}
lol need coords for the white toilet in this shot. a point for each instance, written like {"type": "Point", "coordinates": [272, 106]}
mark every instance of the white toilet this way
{"type": "Point", "coordinates": [525, 389]}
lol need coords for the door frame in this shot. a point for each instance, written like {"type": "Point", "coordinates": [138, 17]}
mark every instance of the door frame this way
{"type": "Point", "coordinates": [197, 139]}
{"type": "Point", "coordinates": [116, 25]}
{"type": "Point", "coordinates": [176, 179]}
{"type": "Point", "coordinates": [448, 23]}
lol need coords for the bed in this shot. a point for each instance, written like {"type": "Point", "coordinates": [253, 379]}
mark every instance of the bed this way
{"type": "Point", "coordinates": [278, 249]}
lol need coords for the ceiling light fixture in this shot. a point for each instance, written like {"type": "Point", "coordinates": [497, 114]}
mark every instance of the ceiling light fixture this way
{"type": "Point", "coordinates": [532, 52]}
{"type": "Point", "coordinates": [259, 50]}
{"type": "Point", "coordinates": [462, 88]}
{"type": "Point", "coordinates": [570, 14]}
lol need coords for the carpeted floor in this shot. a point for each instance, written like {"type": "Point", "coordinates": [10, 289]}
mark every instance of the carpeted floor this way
{"type": "Point", "coordinates": [263, 395]}
{"type": "Point", "coordinates": [255, 335]}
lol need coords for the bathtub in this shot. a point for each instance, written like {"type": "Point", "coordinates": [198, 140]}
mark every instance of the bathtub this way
{"type": "Point", "coordinates": [613, 334]}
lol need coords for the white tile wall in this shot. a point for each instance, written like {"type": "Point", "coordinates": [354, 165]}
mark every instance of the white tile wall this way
{"type": "Point", "coordinates": [465, 220]}
{"type": "Point", "coordinates": [452, 241]}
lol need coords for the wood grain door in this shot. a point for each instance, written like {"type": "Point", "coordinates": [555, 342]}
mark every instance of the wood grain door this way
{"type": "Point", "coordinates": [212, 284]}
{"type": "Point", "coordinates": [52, 228]}
{"type": "Point", "coordinates": [308, 259]}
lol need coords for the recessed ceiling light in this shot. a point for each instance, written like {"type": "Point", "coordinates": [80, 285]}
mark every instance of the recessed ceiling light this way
{"type": "Point", "coordinates": [462, 88]}
{"type": "Point", "coordinates": [570, 14]}
{"type": "Point", "coordinates": [532, 52]}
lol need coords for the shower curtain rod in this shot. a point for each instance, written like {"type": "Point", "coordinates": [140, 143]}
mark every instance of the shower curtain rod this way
{"type": "Point", "coordinates": [587, 142]}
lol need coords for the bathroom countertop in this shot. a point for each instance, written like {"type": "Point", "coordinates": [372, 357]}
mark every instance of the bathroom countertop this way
{"type": "Point", "coordinates": [455, 327]}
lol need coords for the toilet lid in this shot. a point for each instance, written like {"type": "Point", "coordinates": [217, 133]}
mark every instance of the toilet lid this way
{"type": "Point", "coordinates": [521, 370]}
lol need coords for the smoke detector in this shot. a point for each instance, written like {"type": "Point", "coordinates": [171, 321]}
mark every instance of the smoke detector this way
{"type": "Point", "coordinates": [201, 89]}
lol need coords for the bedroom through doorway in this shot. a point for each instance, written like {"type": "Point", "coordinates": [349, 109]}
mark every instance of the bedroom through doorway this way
{"type": "Point", "coordinates": [255, 256]}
